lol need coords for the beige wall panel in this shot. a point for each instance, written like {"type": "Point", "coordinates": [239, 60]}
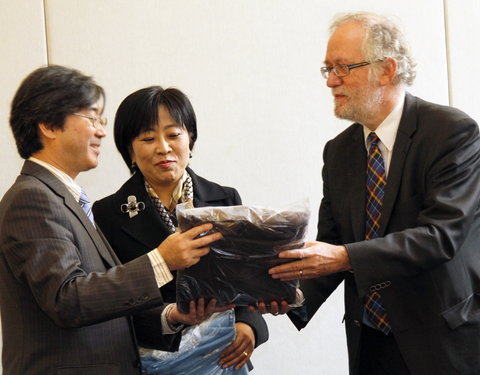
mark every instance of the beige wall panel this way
{"type": "Point", "coordinates": [251, 70]}
{"type": "Point", "coordinates": [464, 54]}
{"type": "Point", "coordinates": [22, 37]}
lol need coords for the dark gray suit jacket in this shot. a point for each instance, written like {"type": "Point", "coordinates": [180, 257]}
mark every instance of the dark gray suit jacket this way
{"type": "Point", "coordinates": [64, 299]}
{"type": "Point", "coordinates": [426, 262]}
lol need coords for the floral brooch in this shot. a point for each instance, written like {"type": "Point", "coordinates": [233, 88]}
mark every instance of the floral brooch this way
{"type": "Point", "coordinates": [132, 207]}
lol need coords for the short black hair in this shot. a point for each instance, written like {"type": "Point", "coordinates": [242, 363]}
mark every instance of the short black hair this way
{"type": "Point", "coordinates": [139, 112]}
{"type": "Point", "coordinates": [48, 95]}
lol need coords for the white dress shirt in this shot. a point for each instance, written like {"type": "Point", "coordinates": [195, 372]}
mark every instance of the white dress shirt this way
{"type": "Point", "coordinates": [387, 133]}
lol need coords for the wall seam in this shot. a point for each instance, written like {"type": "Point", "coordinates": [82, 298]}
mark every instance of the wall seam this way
{"type": "Point", "coordinates": [447, 52]}
{"type": "Point", "coordinates": [45, 28]}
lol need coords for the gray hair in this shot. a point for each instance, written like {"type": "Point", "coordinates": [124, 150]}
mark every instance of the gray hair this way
{"type": "Point", "coordinates": [383, 40]}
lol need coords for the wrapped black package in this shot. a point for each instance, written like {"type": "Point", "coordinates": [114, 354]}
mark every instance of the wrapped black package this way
{"type": "Point", "coordinates": [236, 269]}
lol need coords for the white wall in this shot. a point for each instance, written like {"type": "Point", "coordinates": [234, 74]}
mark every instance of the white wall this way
{"type": "Point", "coordinates": [251, 70]}
{"type": "Point", "coordinates": [22, 39]}
{"type": "Point", "coordinates": [463, 54]}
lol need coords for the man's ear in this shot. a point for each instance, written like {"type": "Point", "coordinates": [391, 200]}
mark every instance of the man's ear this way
{"type": "Point", "coordinates": [47, 130]}
{"type": "Point", "coordinates": [389, 70]}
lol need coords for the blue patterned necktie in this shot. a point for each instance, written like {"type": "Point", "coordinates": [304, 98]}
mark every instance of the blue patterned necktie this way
{"type": "Point", "coordinates": [85, 204]}
{"type": "Point", "coordinates": [376, 182]}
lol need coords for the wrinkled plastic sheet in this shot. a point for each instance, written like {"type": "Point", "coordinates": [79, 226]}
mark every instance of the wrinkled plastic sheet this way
{"type": "Point", "coordinates": [236, 268]}
{"type": "Point", "coordinates": [199, 351]}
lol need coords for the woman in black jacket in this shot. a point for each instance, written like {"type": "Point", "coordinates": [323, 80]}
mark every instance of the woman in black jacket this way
{"type": "Point", "coordinates": [155, 131]}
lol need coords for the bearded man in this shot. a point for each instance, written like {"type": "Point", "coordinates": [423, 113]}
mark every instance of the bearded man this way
{"type": "Point", "coordinates": [399, 221]}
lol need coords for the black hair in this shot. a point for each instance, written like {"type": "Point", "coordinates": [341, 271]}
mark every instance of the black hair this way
{"type": "Point", "coordinates": [139, 112]}
{"type": "Point", "coordinates": [48, 95]}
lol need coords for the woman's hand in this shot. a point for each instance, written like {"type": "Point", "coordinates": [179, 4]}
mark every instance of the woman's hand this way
{"type": "Point", "coordinates": [241, 349]}
{"type": "Point", "coordinates": [182, 250]}
{"type": "Point", "coordinates": [273, 308]}
{"type": "Point", "coordinates": [197, 313]}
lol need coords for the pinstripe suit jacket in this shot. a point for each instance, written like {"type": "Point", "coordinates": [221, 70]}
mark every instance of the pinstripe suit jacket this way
{"type": "Point", "coordinates": [64, 298]}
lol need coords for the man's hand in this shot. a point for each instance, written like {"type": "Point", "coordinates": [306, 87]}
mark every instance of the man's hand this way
{"type": "Point", "coordinates": [273, 308]}
{"type": "Point", "coordinates": [197, 313]}
{"type": "Point", "coordinates": [315, 259]}
{"type": "Point", "coordinates": [182, 250]}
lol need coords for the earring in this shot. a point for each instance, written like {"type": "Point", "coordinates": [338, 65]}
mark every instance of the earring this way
{"type": "Point", "coordinates": [133, 165]}
{"type": "Point", "coordinates": [190, 155]}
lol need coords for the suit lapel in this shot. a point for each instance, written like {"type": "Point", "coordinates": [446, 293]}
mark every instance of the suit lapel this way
{"type": "Point", "coordinates": [357, 159]}
{"type": "Point", "coordinates": [36, 170]}
{"type": "Point", "coordinates": [205, 192]}
{"type": "Point", "coordinates": [145, 226]}
{"type": "Point", "coordinates": [100, 244]}
{"type": "Point", "coordinates": [406, 128]}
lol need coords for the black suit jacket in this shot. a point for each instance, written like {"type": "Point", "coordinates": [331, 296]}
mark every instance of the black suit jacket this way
{"type": "Point", "coordinates": [64, 297]}
{"type": "Point", "coordinates": [133, 237]}
{"type": "Point", "coordinates": [426, 262]}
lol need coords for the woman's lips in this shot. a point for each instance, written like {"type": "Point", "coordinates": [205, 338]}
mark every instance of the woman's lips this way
{"type": "Point", "coordinates": [165, 163]}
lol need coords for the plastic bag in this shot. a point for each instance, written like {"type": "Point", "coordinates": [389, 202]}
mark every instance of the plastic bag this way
{"type": "Point", "coordinates": [199, 350]}
{"type": "Point", "coordinates": [236, 269]}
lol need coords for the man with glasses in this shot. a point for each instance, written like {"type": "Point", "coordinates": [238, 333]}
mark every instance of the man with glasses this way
{"type": "Point", "coordinates": [65, 300]}
{"type": "Point", "coordinates": [399, 221]}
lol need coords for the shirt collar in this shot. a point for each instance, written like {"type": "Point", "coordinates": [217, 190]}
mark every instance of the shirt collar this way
{"type": "Point", "coordinates": [72, 187]}
{"type": "Point", "coordinates": [178, 191]}
{"type": "Point", "coordinates": [387, 130]}
{"type": "Point", "coordinates": [176, 194]}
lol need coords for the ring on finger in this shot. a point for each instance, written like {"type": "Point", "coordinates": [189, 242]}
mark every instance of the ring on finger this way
{"type": "Point", "coordinates": [300, 272]}
{"type": "Point", "coordinates": [245, 354]}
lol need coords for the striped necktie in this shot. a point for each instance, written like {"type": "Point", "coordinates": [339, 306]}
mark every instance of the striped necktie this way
{"type": "Point", "coordinates": [85, 204]}
{"type": "Point", "coordinates": [376, 182]}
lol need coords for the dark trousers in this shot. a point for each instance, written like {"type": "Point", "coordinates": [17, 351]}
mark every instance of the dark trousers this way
{"type": "Point", "coordinates": [380, 355]}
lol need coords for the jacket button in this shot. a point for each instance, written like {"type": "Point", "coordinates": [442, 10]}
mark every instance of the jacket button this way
{"type": "Point", "coordinates": [357, 323]}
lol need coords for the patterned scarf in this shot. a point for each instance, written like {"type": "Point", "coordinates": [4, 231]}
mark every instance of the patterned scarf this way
{"type": "Point", "coordinates": [181, 194]}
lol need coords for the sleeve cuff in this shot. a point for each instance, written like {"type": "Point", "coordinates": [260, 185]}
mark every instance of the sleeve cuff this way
{"type": "Point", "coordinates": [169, 329]}
{"type": "Point", "coordinates": [160, 268]}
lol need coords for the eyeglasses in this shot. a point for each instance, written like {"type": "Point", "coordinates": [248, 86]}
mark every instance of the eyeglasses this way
{"type": "Point", "coordinates": [97, 122]}
{"type": "Point", "coordinates": [341, 70]}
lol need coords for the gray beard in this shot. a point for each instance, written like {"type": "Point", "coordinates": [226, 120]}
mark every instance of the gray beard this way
{"type": "Point", "coordinates": [364, 112]}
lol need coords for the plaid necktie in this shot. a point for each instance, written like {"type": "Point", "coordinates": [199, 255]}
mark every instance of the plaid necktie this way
{"type": "Point", "coordinates": [376, 182]}
{"type": "Point", "coordinates": [85, 204]}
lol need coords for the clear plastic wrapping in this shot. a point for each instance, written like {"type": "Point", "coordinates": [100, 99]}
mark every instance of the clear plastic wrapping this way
{"type": "Point", "coordinates": [199, 351]}
{"type": "Point", "coordinates": [236, 269]}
